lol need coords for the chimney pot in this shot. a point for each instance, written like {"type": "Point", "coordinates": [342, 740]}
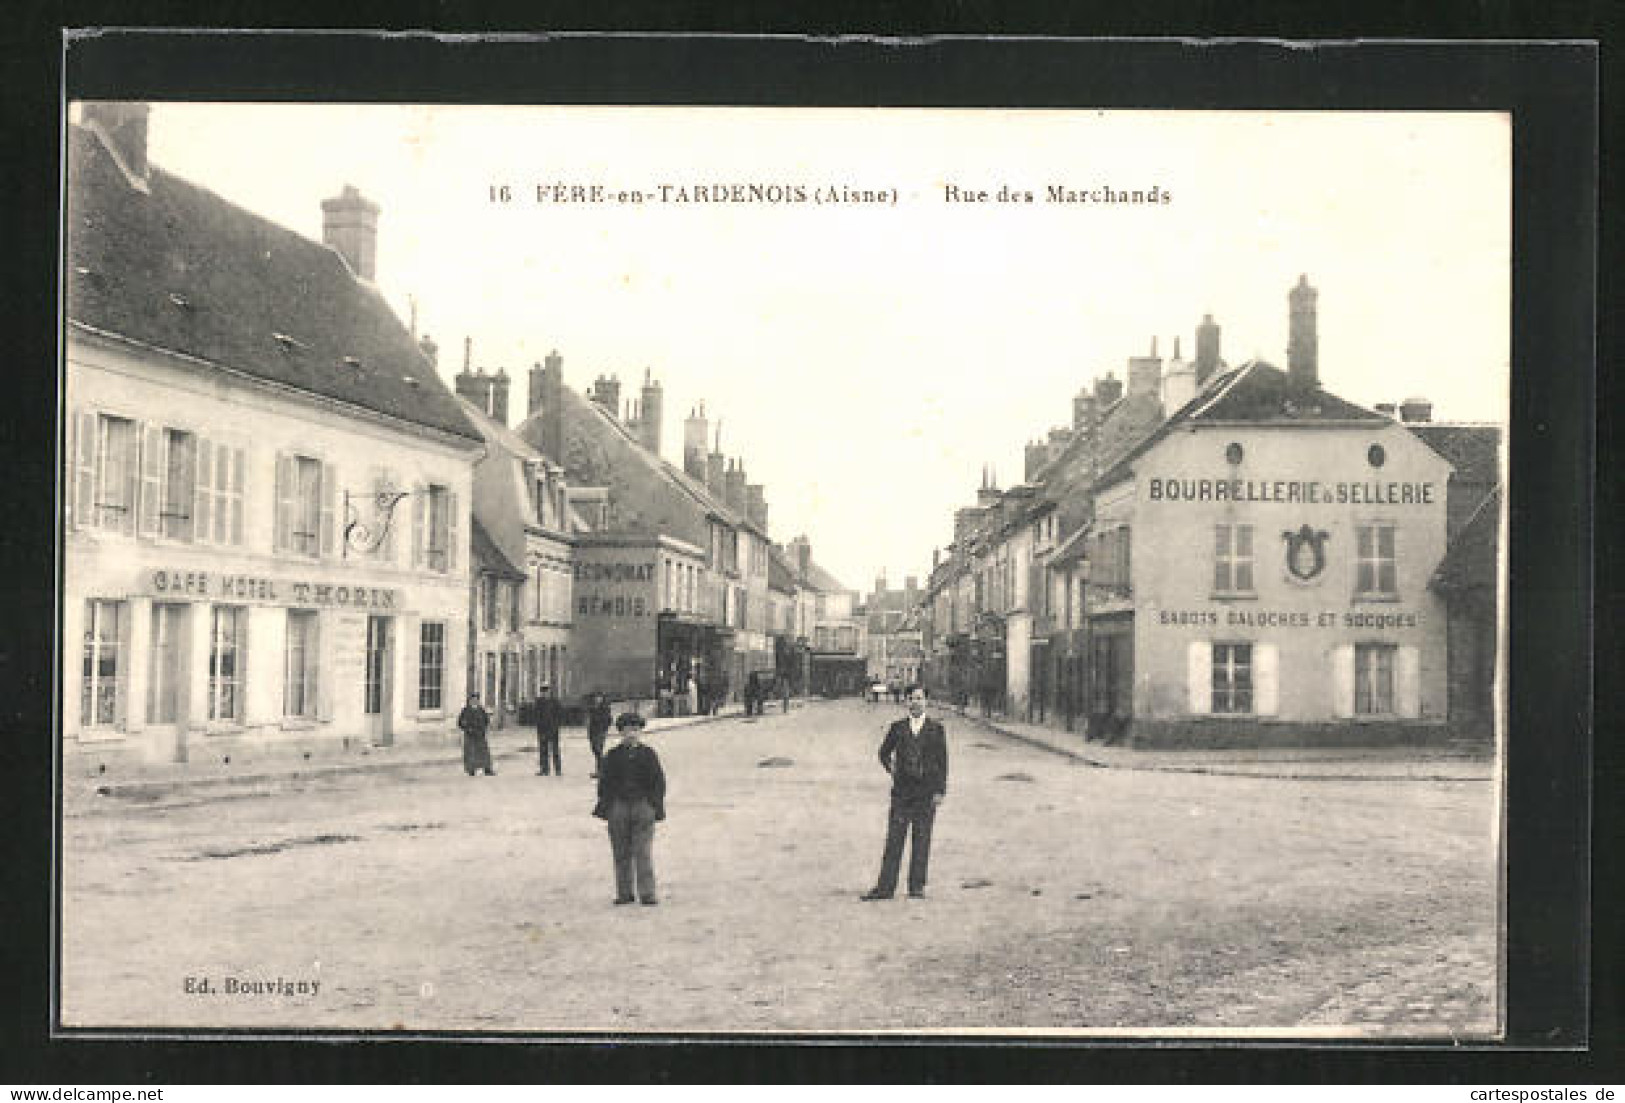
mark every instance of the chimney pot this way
{"type": "Point", "coordinates": [350, 228]}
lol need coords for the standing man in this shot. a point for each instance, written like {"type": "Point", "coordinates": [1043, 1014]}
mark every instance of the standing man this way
{"type": "Point", "coordinates": [915, 754]}
{"type": "Point", "coordinates": [598, 721]}
{"type": "Point", "coordinates": [474, 721]}
{"type": "Point", "coordinates": [632, 798]}
{"type": "Point", "coordinates": [548, 715]}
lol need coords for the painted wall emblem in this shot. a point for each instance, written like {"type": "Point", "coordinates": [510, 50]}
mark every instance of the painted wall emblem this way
{"type": "Point", "coordinates": [1305, 553]}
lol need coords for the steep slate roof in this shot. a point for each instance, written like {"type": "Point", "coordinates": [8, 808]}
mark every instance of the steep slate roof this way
{"type": "Point", "coordinates": [487, 554]}
{"type": "Point", "coordinates": [647, 495]}
{"type": "Point", "coordinates": [1470, 561]}
{"type": "Point", "coordinates": [1473, 450]}
{"type": "Point", "coordinates": [820, 579]}
{"type": "Point", "coordinates": [181, 269]}
{"type": "Point", "coordinates": [1256, 392]}
{"type": "Point", "coordinates": [780, 575]}
{"type": "Point", "coordinates": [494, 432]}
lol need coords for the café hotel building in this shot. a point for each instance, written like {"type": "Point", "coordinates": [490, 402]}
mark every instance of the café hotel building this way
{"type": "Point", "coordinates": [266, 487]}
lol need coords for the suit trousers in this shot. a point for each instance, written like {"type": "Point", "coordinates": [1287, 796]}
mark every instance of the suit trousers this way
{"type": "Point", "coordinates": [631, 842]}
{"type": "Point", "coordinates": [907, 813]}
{"type": "Point", "coordinates": [547, 748]}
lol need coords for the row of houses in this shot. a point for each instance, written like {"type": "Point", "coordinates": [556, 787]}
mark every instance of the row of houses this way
{"type": "Point", "coordinates": [282, 529]}
{"type": "Point", "coordinates": [1229, 556]}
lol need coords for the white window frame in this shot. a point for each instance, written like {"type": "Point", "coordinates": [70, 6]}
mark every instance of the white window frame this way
{"type": "Point", "coordinates": [116, 516]}
{"type": "Point", "coordinates": [301, 665]}
{"type": "Point", "coordinates": [169, 495]}
{"type": "Point", "coordinates": [1231, 562]}
{"type": "Point", "coordinates": [228, 631]}
{"type": "Point", "coordinates": [1226, 699]}
{"type": "Point", "coordinates": [1369, 692]}
{"type": "Point", "coordinates": [96, 685]}
{"type": "Point", "coordinates": [432, 666]}
{"type": "Point", "coordinates": [1370, 563]}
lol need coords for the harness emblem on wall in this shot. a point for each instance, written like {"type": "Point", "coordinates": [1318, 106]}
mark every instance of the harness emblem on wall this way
{"type": "Point", "coordinates": [1305, 552]}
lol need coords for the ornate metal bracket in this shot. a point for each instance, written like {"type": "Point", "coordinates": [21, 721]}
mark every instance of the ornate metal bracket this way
{"type": "Point", "coordinates": [366, 535]}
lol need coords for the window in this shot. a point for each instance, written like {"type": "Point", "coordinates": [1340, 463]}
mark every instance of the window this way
{"type": "Point", "coordinates": [225, 663]}
{"type": "Point", "coordinates": [437, 542]}
{"type": "Point", "coordinates": [117, 469]}
{"type": "Point", "coordinates": [1375, 575]}
{"type": "Point", "coordinates": [1232, 677]}
{"type": "Point", "coordinates": [178, 486]}
{"type": "Point", "coordinates": [300, 664]}
{"type": "Point", "coordinates": [488, 602]}
{"type": "Point", "coordinates": [1374, 679]}
{"type": "Point", "coordinates": [516, 592]}
{"type": "Point", "coordinates": [306, 492]}
{"type": "Point", "coordinates": [217, 513]}
{"type": "Point", "coordinates": [103, 663]}
{"type": "Point", "coordinates": [1233, 559]}
{"type": "Point", "coordinates": [431, 666]}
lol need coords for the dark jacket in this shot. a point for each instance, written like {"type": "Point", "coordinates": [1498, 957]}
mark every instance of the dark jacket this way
{"type": "Point", "coordinates": [631, 773]}
{"type": "Point", "coordinates": [474, 720]}
{"type": "Point", "coordinates": [918, 765]}
{"type": "Point", "coordinates": [598, 718]}
{"type": "Point", "coordinates": [548, 714]}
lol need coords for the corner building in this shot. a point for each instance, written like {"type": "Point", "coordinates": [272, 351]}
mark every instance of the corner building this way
{"type": "Point", "coordinates": [266, 487]}
{"type": "Point", "coordinates": [1260, 570]}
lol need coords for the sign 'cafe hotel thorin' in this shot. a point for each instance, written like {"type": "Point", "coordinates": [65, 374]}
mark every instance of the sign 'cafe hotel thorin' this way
{"type": "Point", "coordinates": [266, 488]}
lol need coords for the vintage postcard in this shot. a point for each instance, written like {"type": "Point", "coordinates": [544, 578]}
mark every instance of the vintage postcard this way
{"type": "Point", "coordinates": [637, 571]}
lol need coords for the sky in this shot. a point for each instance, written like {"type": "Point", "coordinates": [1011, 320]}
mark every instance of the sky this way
{"type": "Point", "coordinates": [867, 362]}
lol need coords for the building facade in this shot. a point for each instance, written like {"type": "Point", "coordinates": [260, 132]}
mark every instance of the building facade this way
{"type": "Point", "coordinates": [266, 490]}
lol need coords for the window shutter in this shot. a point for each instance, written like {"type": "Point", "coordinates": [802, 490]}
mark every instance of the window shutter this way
{"type": "Point", "coordinates": [1266, 679]}
{"type": "Point", "coordinates": [83, 477]}
{"type": "Point", "coordinates": [451, 531]}
{"type": "Point", "coordinates": [1199, 677]}
{"type": "Point", "coordinates": [203, 490]}
{"type": "Point", "coordinates": [132, 479]}
{"type": "Point", "coordinates": [329, 486]}
{"type": "Point", "coordinates": [121, 680]}
{"type": "Point", "coordinates": [284, 501]}
{"type": "Point", "coordinates": [237, 496]}
{"type": "Point", "coordinates": [420, 506]}
{"type": "Point", "coordinates": [222, 494]}
{"type": "Point", "coordinates": [152, 481]}
{"type": "Point", "coordinates": [1408, 682]}
{"type": "Point", "coordinates": [325, 630]}
{"type": "Point", "coordinates": [1343, 681]}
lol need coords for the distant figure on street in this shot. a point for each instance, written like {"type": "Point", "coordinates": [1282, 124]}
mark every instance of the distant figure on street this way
{"type": "Point", "coordinates": [475, 721]}
{"type": "Point", "coordinates": [915, 754]}
{"type": "Point", "coordinates": [693, 695]}
{"type": "Point", "coordinates": [598, 721]}
{"type": "Point", "coordinates": [548, 715]}
{"type": "Point", "coordinates": [632, 799]}
{"type": "Point", "coordinates": [753, 695]}
{"type": "Point", "coordinates": [784, 693]}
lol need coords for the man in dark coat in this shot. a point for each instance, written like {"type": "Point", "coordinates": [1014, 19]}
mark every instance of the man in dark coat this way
{"type": "Point", "coordinates": [474, 721]}
{"type": "Point", "coordinates": [915, 754]}
{"type": "Point", "coordinates": [548, 715]}
{"type": "Point", "coordinates": [632, 799]}
{"type": "Point", "coordinates": [598, 721]}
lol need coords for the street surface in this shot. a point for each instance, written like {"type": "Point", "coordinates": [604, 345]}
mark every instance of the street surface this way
{"type": "Point", "coordinates": [1062, 897]}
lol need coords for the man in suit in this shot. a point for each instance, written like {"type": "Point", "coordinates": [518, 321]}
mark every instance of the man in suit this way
{"type": "Point", "coordinates": [915, 754]}
{"type": "Point", "coordinates": [632, 799]}
{"type": "Point", "coordinates": [548, 716]}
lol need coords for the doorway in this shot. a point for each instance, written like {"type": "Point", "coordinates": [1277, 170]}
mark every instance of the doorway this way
{"type": "Point", "coordinates": [378, 689]}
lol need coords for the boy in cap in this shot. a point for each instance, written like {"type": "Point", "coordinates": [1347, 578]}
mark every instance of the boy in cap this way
{"type": "Point", "coordinates": [632, 799]}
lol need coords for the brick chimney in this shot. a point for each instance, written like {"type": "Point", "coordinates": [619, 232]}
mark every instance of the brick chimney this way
{"type": "Point", "coordinates": [1207, 350]}
{"type": "Point", "coordinates": [1145, 373]}
{"type": "Point", "coordinates": [715, 469]}
{"type": "Point", "coordinates": [350, 228]}
{"type": "Point", "coordinates": [1034, 457]}
{"type": "Point", "coordinates": [734, 486]}
{"type": "Point", "coordinates": [1415, 409]}
{"type": "Point", "coordinates": [651, 409]}
{"type": "Point", "coordinates": [1303, 344]}
{"type": "Point", "coordinates": [801, 558]}
{"type": "Point", "coordinates": [695, 428]}
{"type": "Point", "coordinates": [122, 127]}
{"type": "Point", "coordinates": [546, 397]}
{"type": "Point", "coordinates": [756, 505]}
{"type": "Point", "coordinates": [1108, 390]}
{"type": "Point", "coordinates": [430, 350]}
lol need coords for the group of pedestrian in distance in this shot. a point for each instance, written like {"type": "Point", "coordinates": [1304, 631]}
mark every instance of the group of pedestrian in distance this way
{"type": "Point", "coordinates": [631, 796]}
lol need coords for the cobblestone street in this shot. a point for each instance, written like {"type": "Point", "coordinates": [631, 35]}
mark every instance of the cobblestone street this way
{"type": "Point", "coordinates": [1062, 897]}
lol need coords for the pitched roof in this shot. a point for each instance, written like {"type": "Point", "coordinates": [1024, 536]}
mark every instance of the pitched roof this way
{"type": "Point", "coordinates": [1473, 450]}
{"type": "Point", "coordinates": [780, 575]}
{"type": "Point", "coordinates": [1257, 393]}
{"type": "Point", "coordinates": [820, 579]}
{"type": "Point", "coordinates": [497, 433]}
{"type": "Point", "coordinates": [180, 269]}
{"type": "Point", "coordinates": [1470, 561]}
{"type": "Point", "coordinates": [487, 554]}
{"type": "Point", "coordinates": [600, 451]}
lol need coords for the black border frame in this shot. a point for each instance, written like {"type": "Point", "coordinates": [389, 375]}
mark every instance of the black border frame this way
{"type": "Point", "coordinates": [1552, 90]}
